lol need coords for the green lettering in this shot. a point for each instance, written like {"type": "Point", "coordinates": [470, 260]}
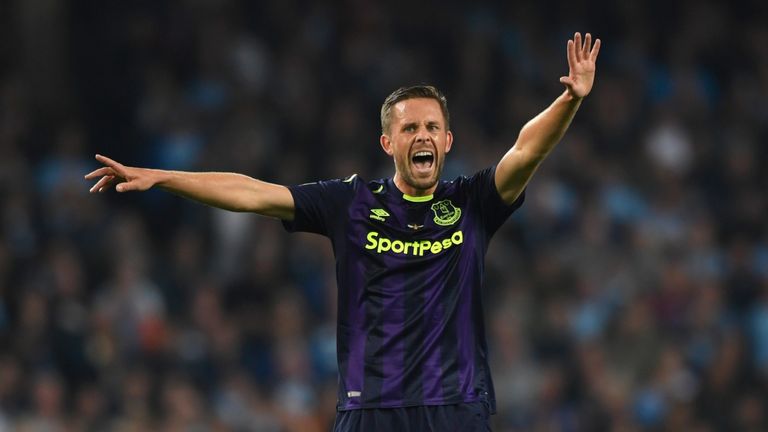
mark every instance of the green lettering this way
{"type": "Point", "coordinates": [436, 247]}
{"type": "Point", "coordinates": [424, 246]}
{"type": "Point", "coordinates": [372, 239]}
{"type": "Point", "coordinates": [457, 237]}
{"type": "Point", "coordinates": [415, 248]}
{"type": "Point", "coordinates": [384, 245]}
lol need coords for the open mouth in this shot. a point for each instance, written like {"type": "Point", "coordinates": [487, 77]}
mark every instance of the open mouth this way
{"type": "Point", "coordinates": [423, 160]}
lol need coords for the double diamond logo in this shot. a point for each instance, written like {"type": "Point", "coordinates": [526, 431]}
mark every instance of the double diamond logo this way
{"type": "Point", "coordinates": [378, 214]}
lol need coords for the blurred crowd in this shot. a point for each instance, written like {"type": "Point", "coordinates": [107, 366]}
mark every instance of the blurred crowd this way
{"type": "Point", "coordinates": [630, 292]}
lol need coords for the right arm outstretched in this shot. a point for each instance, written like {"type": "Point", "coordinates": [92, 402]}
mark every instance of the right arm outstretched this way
{"type": "Point", "coordinates": [229, 191]}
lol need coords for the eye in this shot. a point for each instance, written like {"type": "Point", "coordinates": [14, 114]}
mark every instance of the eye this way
{"type": "Point", "coordinates": [409, 128]}
{"type": "Point", "coordinates": [433, 127]}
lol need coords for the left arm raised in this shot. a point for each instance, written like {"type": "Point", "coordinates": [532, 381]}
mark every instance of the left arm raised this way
{"type": "Point", "coordinates": [540, 135]}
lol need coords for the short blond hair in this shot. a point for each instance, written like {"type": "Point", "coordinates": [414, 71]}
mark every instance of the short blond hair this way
{"type": "Point", "coordinates": [413, 92]}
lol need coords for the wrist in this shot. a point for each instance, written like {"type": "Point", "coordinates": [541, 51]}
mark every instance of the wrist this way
{"type": "Point", "coordinates": [157, 177]}
{"type": "Point", "coordinates": [570, 97]}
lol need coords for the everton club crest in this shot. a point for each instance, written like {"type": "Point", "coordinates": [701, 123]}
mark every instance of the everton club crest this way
{"type": "Point", "coordinates": [446, 213]}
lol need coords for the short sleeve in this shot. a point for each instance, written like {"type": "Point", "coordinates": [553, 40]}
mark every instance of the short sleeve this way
{"type": "Point", "coordinates": [319, 205]}
{"type": "Point", "coordinates": [492, 208]}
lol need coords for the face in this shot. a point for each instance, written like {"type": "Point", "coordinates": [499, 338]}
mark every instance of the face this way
{"type": "Point", "coordinates": [418, 141]}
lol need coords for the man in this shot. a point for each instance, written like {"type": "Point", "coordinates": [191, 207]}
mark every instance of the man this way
{"type": "Point", "coordinates": [409, 250]}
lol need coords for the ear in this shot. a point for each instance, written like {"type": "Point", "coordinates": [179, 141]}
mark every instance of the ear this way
{"type": "Point", "coordinates": [386, 144]}
{"type": "Point", "coordinates": [448, 141]}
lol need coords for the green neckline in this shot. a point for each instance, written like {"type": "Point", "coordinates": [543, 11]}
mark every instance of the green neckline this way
{"type": "Point", "coordinates": [418, 198]}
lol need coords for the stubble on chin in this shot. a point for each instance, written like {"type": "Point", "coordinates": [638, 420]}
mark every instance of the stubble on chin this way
{"type": "Point", "coordinates": [419, 183]}
{"type": "Point", "coordinates": [422, 183]}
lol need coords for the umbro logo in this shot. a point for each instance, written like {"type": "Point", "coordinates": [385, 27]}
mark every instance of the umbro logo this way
{"type": "Point", "coordinates": [379, 214]}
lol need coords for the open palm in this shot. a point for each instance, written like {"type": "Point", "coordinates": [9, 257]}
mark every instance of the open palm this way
{"type": "Point", "coordinates": [581, 65]}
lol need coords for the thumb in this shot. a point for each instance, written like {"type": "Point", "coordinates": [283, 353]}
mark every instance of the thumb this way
{"type": "Point", "coordinates": [568, 81]}
{"type": "Point", "coordinates": [126, 186]}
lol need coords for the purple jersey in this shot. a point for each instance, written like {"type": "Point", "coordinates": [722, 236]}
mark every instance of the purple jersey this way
{"type": "Point", "coordinates": [410, 271]}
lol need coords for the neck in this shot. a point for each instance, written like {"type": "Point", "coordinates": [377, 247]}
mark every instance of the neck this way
{"type": "Point", "coordinates": [407, 189]}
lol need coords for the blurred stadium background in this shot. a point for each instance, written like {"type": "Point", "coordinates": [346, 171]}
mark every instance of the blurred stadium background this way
{"type": "Point", "coordinates": [630, 293]}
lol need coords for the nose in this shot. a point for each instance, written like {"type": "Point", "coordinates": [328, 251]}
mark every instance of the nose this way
{"type": "Point", "coordinates": [423, 136]}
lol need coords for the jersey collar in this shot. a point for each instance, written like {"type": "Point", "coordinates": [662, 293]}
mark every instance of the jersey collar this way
{"type": "Point", "coordinates": [410, 198]}
{"type": "Point", "coordinates": [418, 199]}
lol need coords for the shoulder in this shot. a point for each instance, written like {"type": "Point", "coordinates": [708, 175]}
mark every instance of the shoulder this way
{"type": "Point", "coordinates": [378, 186]}
{"type": "Point", "coordinates": [358, 184]}
{"type": "Point", "coordinates": [349, 187]}
{"type": "Point", "coordinates": [482, 178]}
{"type": "Point", "coordinates": [330, 185]}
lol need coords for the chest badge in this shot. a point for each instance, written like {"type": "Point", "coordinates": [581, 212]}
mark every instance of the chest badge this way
{"type": "Point", "coordinates": [446, 213]}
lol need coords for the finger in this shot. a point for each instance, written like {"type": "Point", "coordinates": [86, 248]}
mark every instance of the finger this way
{"type": "Point", "coordinates": [99, 172]}
{"type": "Point", "coordinates": [595, 50]}
{"type": "Point", "coordinates": [102, 184]}
{"type": "Point", "coordinates": [117, 166]}
{"type": "Point", "coordinates": [571, 48]}
{"type": "Point", "coordinates": [579, 48]}
{"type": "Point", "coordinates": [106, 186]}
{"type": "Point", "coordinates": [587, 46]}
{"type": "Point", "coordinates": [108, 182]}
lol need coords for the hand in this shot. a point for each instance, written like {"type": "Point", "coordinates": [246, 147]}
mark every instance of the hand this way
{"type": "Point", "coordinates": [126, 178]}
{"type": "Point", "coordinates": [581, 65]}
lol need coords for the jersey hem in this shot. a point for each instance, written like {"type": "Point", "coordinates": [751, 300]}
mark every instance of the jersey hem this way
{"type": "Point", "coordinates": [427, 402]}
